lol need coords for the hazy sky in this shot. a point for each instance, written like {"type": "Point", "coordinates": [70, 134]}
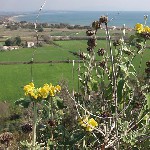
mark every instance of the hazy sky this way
{"type": "Point", "coordinates": [98, 5]}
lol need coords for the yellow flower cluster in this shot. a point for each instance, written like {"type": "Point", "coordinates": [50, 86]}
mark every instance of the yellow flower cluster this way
{"type": "Point", "coordinates": [88, 124]}
{"type": "Point", "coordinates": [140, 28]}
{"type": "Point", "coordinates": [42, 92]}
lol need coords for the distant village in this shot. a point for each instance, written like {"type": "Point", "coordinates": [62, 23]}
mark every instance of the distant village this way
{"type": "Point", "coordinates": [8, 23]}
{"type": "Point", "coordinates": [10, 48]}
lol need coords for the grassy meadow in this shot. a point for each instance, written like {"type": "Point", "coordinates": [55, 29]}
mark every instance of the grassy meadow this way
{"type": "Point", "coordinates": [14, 77]}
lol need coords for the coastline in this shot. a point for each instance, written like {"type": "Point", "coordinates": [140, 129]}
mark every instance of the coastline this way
{"type": "Point", "coordinates": [13, 18]}
{"type": "Point", "coordinates": [84, 18]}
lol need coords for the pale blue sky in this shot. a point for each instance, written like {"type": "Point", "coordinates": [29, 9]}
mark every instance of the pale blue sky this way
{"type": "Point", "coordinates": [97, 5]}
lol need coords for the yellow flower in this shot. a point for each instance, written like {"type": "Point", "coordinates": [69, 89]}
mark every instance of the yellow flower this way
{"type": "Point", "coordinates": [34, 94]}
{"type": "Point", "coordinates": [147, 29]}
{"type": "Point", "coordinates": [88, 124]}
{"type": "Point", "coordinates": [28, 88]}
{"type": "Point", "coordinates": [83, 121]}
{"type": "Point", "coordinates": [92, 122]}
{"type": "Point", "coordinates": [139, 28]}
{"type": "Point", "coordinates": [43, 92]}
{"type": "Point", "coordinates": [51, 93]}
{"type": "Point", "coordinates": [58, 88]}
{"type": "Point", "coordinates": [89, 128]}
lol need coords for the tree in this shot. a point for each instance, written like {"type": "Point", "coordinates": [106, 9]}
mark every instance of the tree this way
{"type": "Point", "coordinates": [13, 41]}
{"type": "Point", "coordinates": [9, 42]}
{"type": "Point", "coordinates": [40, 28]}
{"type": "Point", "coordinates": [18, 40]}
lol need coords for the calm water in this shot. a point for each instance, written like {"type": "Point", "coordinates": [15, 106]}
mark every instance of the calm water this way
{"type": "Point", "coordinates": [129, 18]}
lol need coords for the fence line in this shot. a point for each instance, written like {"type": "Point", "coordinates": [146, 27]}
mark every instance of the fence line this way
{"type": "Point", "coordinates": [42, 62]}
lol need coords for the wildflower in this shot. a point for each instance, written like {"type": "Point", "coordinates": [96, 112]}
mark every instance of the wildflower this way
{"type": "Point", "coordinates": [51, 93]}
{"type": "Point", "coordinates": [139, 28]}
{"type": "Point", "coordinates": [28, 88]}
{"type": "Point", "coordinates": [88, 124]}
{"type": "Point", "coordinates": [146, 29]}
{"type": "Point", "coordinates": [58, 88]}
{"type": "Point", "coordinates": [91, 125]}
{"type": "Point", "coordinates": [42, 92]}
{"type": "Point", "coordinates": [83, 121]}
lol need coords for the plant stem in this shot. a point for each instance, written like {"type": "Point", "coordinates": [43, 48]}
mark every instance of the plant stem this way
{"type": "Point", "coordinates": [34, 124]}
{"type": "Point", "coordinates": [52, 117]}
{"type": "Point", "coordinates": [114, 84]}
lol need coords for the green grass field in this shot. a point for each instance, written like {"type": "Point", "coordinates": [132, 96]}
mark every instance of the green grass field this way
{"type": "Point", "coordinates": [14, 77]}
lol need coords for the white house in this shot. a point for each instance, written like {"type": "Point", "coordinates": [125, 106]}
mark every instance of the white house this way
{"type": "Point", "coordinates": [5, 48]}
{"type": "Point", "coordinates": [30, 44]}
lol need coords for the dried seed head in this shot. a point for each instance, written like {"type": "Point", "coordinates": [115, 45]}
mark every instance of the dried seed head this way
{"type": "Point", "coordinates": [96, 25]}
{"type": "Point", "coordinates": [102, 64]}
{"type": "Point", "coordinates": [89, 49]}
{"type": "Point", "coordinates": [90, 32]}
{"type": "Point", "coordinates": [105, 114]}
{"type": "Point", "coordinates": [76, 95]}
{"type": "Point", "coordinates": [51, 122]}
{"type": "Point", "coordinates": [116, 43]}
{"type": "Point", "coordinates": [145, 35]}
{"type": "Point", "coordinates": [26, 128]}
{"type": "Point", "coordinates": [103, 19]}
{"type": "Point", "coordinates": [147, 70]}
{"type": "Point", "coordinates": [14, 117]}
{"type": "Point", "coordinates": [148, 64]}
{"type": "Point", "coordinates": [82, 55]}
{"type": "Point", "coordinates": [127, 52]}
{"type": "Point", "coordinates": [145, 17]}
{"type": "Point", "coordinates": [92, 42]}
{"type": "Point", "coordinates": [6, 137]}
{"type": "Point", "coordinates": [138, 46]}
{"type": "Point", "coordinates": [101, 52]}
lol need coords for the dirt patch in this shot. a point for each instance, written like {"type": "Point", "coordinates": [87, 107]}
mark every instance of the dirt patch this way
{"type": "Point", "coordinates": [4, 109]}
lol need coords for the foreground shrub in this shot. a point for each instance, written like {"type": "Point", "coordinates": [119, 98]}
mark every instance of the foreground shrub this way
{"type": "Point", "coordinates": [111, 107]}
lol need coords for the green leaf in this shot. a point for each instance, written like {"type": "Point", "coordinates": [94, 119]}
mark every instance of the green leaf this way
{"type": "Point", "coordinates": [62, 130]}
{"type": "Point", "coordinates": [51, 144]}
{"type": "Point", "coordinates": [113, 109]}
{"type": "Point", "coordinates": [124, 68]}
{"type": "Point", "coordinates": [147, 96]}
{"type": "Point", "coordinates": [45, 103]}
{"type": "Point", "coordinates": [23, 102]}
{"type": "Point", "coordinates": [76, 137]}
{"type": "Point", "coordinates": [108, 92]}
{"type": "Point", "coordinates": [60, 103]}
{"type": "Point", "coordinates": [125, 125]}
{"type": "Point", "coordinates": [89, 86]}
{"type": "Point", "coordinates": [94, 85]}
{"type": "Point", "coordinates": [120, 89]}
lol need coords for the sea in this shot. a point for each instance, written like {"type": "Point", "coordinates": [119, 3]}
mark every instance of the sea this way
{"type": "Point", "coordinates": [85, 18]}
